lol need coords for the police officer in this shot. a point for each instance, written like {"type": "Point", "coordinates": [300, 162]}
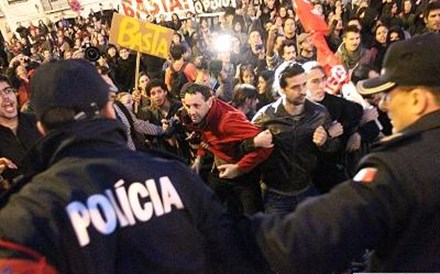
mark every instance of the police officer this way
{"type": "Point", "coordinates": [97, 207]}
{"type": "Point", "coordinates": [392, 204]}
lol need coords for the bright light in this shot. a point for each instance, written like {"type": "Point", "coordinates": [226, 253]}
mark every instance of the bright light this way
{"type": "Point", "coordinates": [223, 43]}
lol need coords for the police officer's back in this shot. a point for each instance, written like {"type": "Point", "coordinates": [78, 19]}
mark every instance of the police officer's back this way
{"type": "Point", "coordinates": [97, 207]}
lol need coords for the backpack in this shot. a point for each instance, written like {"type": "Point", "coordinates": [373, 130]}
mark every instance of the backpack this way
{"type": "Point", "coordinates": [178, 80]}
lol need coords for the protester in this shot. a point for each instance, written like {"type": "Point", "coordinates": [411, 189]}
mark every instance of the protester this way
{"type": "Point", "coordinates": [300, 130]}
{"type": "Point", "coordinates": [235, 177]}
{"type": "Point", "coordinates": [18, 132]}
{"type": "Point", "coordinates": [432, 16]}
{"type": "Point", "coordinates": [346, 117]}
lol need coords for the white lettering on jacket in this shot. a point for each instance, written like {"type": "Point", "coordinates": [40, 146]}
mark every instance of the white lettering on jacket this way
{"type": "Point", "coordinates": [122, 206]}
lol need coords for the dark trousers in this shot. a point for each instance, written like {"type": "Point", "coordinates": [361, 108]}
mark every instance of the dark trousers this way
{"type": "Point", "coordinates": [241, 195]}
{"type": "Point", "coordinates": [284, 204]}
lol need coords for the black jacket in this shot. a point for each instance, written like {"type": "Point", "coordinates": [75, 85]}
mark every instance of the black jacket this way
{"type": "Point", "coordinates": [391, 206]}
{"type": "Point", "coordinates": [291, 163]}
{"type": "Point", "coordinates": [97, 207]}
{"type": "Point", "coordinates": [14, 147]}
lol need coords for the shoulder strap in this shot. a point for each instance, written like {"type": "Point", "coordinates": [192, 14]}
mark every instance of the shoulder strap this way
{"type": "Point", "coordinates": [18, 265]}
{"type": "Point", "coordinates": [183, 66]}
{"type": "Point", "coordinates": [20, 248]}
{"type": "Point", "coordinates": [172, 69]}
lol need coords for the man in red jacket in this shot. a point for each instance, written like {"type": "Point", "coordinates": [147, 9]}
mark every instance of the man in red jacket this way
{"type": "Point", "coordinates": [234, 176]}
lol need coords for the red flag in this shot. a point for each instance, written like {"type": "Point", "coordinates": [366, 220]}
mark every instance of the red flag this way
{"type": "Point", "coordinates": [324, 55]}
{"type": "Point", "coordinates": [311, 21]}
{"type": "Point", "coordinates": [316, 25]}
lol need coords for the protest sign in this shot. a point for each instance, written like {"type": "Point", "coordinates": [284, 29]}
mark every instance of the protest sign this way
{"type": "Point", "coordinates": [142, 8]}
{"type": "Point", "coordinates": [140, 36]}
{"type": "Point", "coordinates": [212, 6]}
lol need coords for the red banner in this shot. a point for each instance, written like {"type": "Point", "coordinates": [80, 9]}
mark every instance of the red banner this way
{"type": "Point", "coordinates": [142, 8]}
{"type": "Point", "coordinates": [315, 24]}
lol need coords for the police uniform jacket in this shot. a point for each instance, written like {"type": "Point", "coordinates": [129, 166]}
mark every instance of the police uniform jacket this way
{"type": "Point", "coordinates": [97, 207]}
{"type": "Point", "coordinates": [391, 206]}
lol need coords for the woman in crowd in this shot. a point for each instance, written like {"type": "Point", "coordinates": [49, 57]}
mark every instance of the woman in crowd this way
{"type": "Point", "coordinates": [265, 88]}
{"type": "Point", "coordinates": [379, 46]}
{"type": "Point", "coordinates": [247, 75]}
{"type": "Point", "coordinates": [140, 96]}
{"type": "Point", "coordinates": [175, 23]}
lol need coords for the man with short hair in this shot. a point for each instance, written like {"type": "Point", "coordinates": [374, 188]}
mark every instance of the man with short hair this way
{"type": "Point", "coordinates": [255, 53]}
{"type": "Point", "coordinates": [289, 29]}
{"type": "Point", "coordinates": [244, 98]}
{"type": "Point", "coordinates": [178, 65]}
{"type": "Point", "coordinates": [431, 16]}
{"type": "Point", "coordinates": [18, 131]}
{"type": "Point", "coordinates": [346, 117]}
{"type": "Point", "coordinates": [299, 129]}
{"type": "Point", "coordinates": [351, 52]}
{"type": "Point", "coordinates": [125, 70]}
{"type": "Point", "coordinates": [97, 207]}
{"type": "Point", "coordinates": [284, 53]}
{"type": "Point", "coordinates": [306, 49]}
{"type": "Point", "coordinates": [163, 109]}
{"type": "Point", "coordinates": [391, 205]}
{"type": "Point", "coordinates": [235, 177]}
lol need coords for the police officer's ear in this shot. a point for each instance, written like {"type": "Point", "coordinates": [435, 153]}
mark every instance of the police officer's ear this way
{"type": "Point", "coordinates": [422, 101]}
{"type": "Point", "coordinates": [108, 111]}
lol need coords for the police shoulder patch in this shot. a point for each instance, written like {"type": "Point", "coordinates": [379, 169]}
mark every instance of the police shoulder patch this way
{"type": "Point", "coordinates": [365, 175]}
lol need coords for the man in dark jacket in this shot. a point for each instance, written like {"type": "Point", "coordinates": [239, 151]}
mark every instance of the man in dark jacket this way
{"type": "Point", "coordinates": [97, 207]}
{"type": "Point", "coordinates": [392, 204]}
{"type": "Point", "coordinates": [345, 115]}
{"type": "Point", "coordinates": [125, 70]}
{"type": "Point", "coordinates": [18, 131]}
{"type": "Point", "coordinates": [299, 129]}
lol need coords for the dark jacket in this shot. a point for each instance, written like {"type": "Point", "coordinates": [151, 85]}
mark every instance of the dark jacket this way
{"type": "Point", "coordinates": [125, 73]}
{"type": "Point", "coordinates": [391, 206]}
{"type": "Point", "coordinates": [345, 112]}
{"type": "Point", "coordinates": [97, 207]}
{"type": "Point", "coordinates": [290, 165]}
{"type": "Point", "coordinates": [14, 147]}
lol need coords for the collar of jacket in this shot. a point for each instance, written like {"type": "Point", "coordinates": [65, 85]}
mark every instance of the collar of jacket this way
{"type": "Point", "coordinates": [215, 113]}
{"type": "Point", "coordinates": [280, 110]}
{"type": "Point", "coordinates": [428, 122]}
{"type": "Point", "coordinates": [75, 138]}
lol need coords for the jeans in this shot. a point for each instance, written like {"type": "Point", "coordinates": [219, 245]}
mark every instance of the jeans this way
{"type": "Point", "coordinates": [285, 204]}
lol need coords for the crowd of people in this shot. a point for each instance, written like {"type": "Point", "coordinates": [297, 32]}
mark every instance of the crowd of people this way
{"type": "Point", "coordinates": [244, 102]}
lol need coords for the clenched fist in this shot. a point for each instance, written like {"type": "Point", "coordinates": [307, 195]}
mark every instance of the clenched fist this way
{"type": "Point", "coordinates": [229, 171]}
{"type": "Point", "coordinates": [320, 136]}
{"type": "Point", "coordinates": [335, 130]}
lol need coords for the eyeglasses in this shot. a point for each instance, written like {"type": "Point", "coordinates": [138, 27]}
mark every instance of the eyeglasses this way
{"type": "Point", "coordinates": [7, 91]}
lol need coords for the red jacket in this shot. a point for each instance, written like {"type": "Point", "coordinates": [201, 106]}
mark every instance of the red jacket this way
{"type": "Point", "coordinates": [224, 129]}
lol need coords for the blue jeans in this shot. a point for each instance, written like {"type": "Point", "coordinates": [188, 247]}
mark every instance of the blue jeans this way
{"type": "Point", "coordinates": [285, 204]}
